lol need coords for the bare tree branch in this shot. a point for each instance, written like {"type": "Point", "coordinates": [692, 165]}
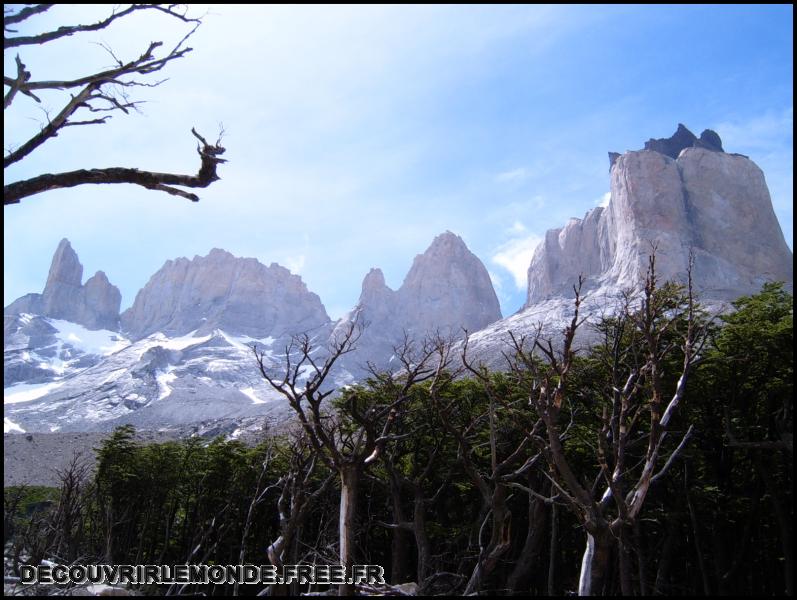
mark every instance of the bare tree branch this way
{"type": "Point", "coordinates": [14, 192]}
{"type": "Point", "coordinates": [68, 30]}
{"type": "Point", "coordinates": [101, 92]}
{"type": "Point", "coordinates": [23, 14]}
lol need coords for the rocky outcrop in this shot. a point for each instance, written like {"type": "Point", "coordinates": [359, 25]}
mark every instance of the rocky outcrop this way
{"type": "Point", "coordinates": [678, 141]}
{"type": "Point", "coordinates": [94, 305]}
{"type": "Point", "coordinates": [680, 206]}
{"type": "Point", "coordinates": [447, 290]}
{"type": "Point", "coordinates": [63, 293]}
{"type": "Point", "coordinates": [703, 201]}
{"type": "Point", "coordinates": [682, 139]}
{"type": "Point", "coordinates": [712, 204]}
{"type": "Point", "coordinates": [220, 291]}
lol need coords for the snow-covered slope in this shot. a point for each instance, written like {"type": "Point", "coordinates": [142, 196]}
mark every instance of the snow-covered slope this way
{"type": "Point", "coordinates": [103, 380]}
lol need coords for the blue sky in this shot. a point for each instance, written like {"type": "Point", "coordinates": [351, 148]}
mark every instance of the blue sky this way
{"type": "Point", "coordinates": [357, 134]}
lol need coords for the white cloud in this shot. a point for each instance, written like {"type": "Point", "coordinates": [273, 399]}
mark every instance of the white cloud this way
{"type": "Point", "coordinates": [294, 264]}
{"type": "Point", "coordinates": [759, 132]}
{"type": "Point", "coordinates": [513, 176]}
{"type": "Point", "coordinates": [604, 200]}
{"type": "Point", "coordinates": [517, 228]}
{"type": "Point", "coordinates": [515, 256]}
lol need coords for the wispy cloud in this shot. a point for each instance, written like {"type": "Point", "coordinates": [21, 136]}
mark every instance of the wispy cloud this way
{"type": "Point", "coordinates": [513, 176]}
{"type": "Point", "coordinates": [294, 264]}
{"type": "Point", "coordinates": [604, 200]}
{"type": "Point", "coordinates": [517, 228]}
{"type": "Point", "coordinates": [515, 256]}
{"type": "Point", "coordinates": [759, 132]}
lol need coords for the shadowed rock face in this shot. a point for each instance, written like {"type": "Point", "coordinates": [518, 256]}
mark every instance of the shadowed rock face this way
{"type": "Point", "coordinates": [94, 305]}
{"type": "Point", "coordinates": [220, 291]}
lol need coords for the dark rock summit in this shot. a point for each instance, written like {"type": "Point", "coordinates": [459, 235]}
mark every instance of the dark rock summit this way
{"type": "Point", "coordinates": [678, 141]}
{"type": "Point", "coordinates": [683, 138]}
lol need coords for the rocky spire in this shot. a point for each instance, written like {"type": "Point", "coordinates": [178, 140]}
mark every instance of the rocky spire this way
{"type": "Point", "coordinates": [63, 290]}
{"type": "Point", "coordinates": [94, 305]}
{"type": "Point", "coordinates": [446, 290]}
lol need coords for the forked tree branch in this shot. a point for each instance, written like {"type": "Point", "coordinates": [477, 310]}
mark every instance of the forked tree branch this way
{"type": "Point", "coordinates": [163, 182]}
{"type": "Point", "coordinates": [102, 92]}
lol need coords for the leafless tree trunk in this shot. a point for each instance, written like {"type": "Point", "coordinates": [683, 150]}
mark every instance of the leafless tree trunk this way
{"type": "Point", "coordinates": [662, 316]}
{"type": "Point", "coordinates": [348, 447]}
{"type": "Point", "coordinates": [553, 550]}
{"type": "Point", "coordinates": [349, 481]}
{"type": "Point", "coordinates": [495, 483]}
{"type": "Point", "coordinates": [532, 546]}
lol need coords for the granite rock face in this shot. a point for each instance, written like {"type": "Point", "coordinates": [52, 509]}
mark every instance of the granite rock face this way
{"type": "Point", "coordinates": [446, 290]}
{"type": "Point", "coordinates": [710, 203]}
{"type": "Point", "coordinates": [220, 291]}
{"type": "Point", "coordinates": [680, 195]}
{"type": "Point", "coordinates": [94, 305]}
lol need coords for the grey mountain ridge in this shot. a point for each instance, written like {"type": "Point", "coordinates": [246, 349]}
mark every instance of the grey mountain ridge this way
{"type": "Point", "coordinates": [185, 341]}
{"type": "Point", "coordinates": [221, 291]}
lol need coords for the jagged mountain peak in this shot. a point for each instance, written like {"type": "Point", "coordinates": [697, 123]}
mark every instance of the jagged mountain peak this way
{"type": "Point", "coordinates": [65, 267]}
{"type": "Point", "coordinates": [374, 282]}
{"type": "Point", "coordinates": [94, 305]}
{"type": "Point", "coordinates": [446, 290]}
{"type": "Point", "coordinates": [684, 195]}
{"type": "Point", "coordinates": [682, 139]}
{"type": "Point", "coordinates": [220, 290]}
{"type": "Point", "coordinates": [445, 245]}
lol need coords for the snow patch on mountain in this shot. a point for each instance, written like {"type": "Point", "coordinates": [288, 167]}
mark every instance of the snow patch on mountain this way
{"type": "Point", "coordinates": [250, 392]}
{"type": "Point", "coordinates": [10, 427]}
{"type": "Point", "coordinates": [100, 342]}
{"type": "Point", "coordinates": [25, 392]}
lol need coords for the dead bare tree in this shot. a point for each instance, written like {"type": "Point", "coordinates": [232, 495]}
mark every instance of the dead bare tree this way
{"type": "Point", "coordinates": [665, 320]}
{"type": "Point", "coordinates": [298, 495]}
{"type": "Point", "coordinates": [496, 482]}
{"type": "Point", "coordinates": [95, 98]}
{"type": "Point", "coordinates": [410, 464]}
{"type": "Point", "coordinates": [355, 435]}
{"type": "Point", "coordinates": [73, 503]}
